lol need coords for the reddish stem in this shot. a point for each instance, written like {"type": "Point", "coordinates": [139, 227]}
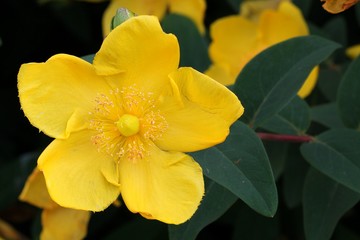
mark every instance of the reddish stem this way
{"type": "Point", "coordinates": [284, 138]}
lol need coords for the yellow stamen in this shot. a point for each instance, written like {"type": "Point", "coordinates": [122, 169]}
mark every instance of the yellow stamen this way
{"type": "Point", "coordinates": [128, 125]}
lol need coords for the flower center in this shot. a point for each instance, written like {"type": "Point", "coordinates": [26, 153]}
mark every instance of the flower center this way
{"type": "Point", "coordinates": [128, 125]}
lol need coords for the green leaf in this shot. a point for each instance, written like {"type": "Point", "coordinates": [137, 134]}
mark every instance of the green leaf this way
{"type": "Point", "coordinates": [216, 202]}
{"type": "Point", "coordinates": [276, 152]}
{"type": "Point", "coordinates": [138, 229]}
{"type": "Point", "coordinates": [272, 79]}
{"type": "Point", "coordinates": [335, 153]}
{"type": "Point", "coordinates": [349, 97]}
{"type": "Point", "coordinates": [13, 176]}
{"type": "Point", "coordinates": [324, 203]}
{"type": "Point", "coordinates": [252, 226]}
{"type": "Point", "coordinates": [327, 115]}
{"type": "Point", "coordinates": [294, 119]}
{"type": "Point", "coordinates": [329, 81]}
{"type": "Point", "coordinates": [235, 4]}
{"type": "Point", "coordinates": [304, 5]}
{"type": "Point", "coordinates": [241, 165]}
{"type": "Point", "coordinates": [89, 58]}
{"type": "Point", "coordinates": [336, 29]}
{"type": "Point", "coordinates": [294, 176]}
{"type": "Point", "coordinates": [193, 48]}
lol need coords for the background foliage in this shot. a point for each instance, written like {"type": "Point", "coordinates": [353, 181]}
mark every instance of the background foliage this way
{"type": "Point", "coordinates": [255, 189]}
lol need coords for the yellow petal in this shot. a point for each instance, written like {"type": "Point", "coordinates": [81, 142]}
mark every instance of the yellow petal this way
{"type": "Point", "coordinates": [253, 9]}
{"type": "Point", "coordinates": [167, 186]}
{"type": "Point", "coordinates": [35, 191]}
{"type": "Point", "coordinates": [139, 53]}
{"type": "Point", "coordinates": [277, 26]}
{"type": "Point", "coordinates": [199, 114]}
{"type": "Point", "coordinates": [139, 7]}
{"type": "Point", "coordinates": [220, 73]}
{"type": "Point", "coordinates": [309, 83]}
{"type": "Point", "coordinates": [193, 9]}
{"type": "Point", "coordinates": [63, 224]}
{"type": "Point", "coordinates": [233, 38]}
{"type": "Point", "coordinates": [353, 51]}
{"type": "Point", "coordinates": [337, 6]}
{"type": "Point", "coordinates": [57, 95]}
{"type": "Point", "coordinates": [78, 175]}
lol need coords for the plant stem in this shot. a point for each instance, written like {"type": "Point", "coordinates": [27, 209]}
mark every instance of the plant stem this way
{"type": "Point", "coordinates": [284, 138]}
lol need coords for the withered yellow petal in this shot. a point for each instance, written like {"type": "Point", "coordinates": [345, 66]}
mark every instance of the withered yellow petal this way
{"type": "Point", "coordinates": [138, 52]}
{"type": "Point", "coordinates": [77, 175]}
{"type": "Point", "coordinates": [64, 223]}
{"type": "Point", "coordinates": [193, 9]}
{"type": "Point", "coordinates": [337, 6]}
{"type": "Point", "coordinates": [199, 114]}
{"type": "Point", "coordinates": [167, 186]}
{"type": "Point", "coordinates": [56, 96]}
{"type": "Point", "coordinates": [139, 7]}
{"type": "Point", "coordinates": [35, 191]}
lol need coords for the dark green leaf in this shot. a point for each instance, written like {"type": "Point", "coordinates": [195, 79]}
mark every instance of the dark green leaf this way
{"type": "Point", "coordinates": [13, 176]}
{"type": "Point", "coordinates": [248, 223]}
{"type": "Point", "coordinates": [193, 48]}
{"type": "Point", "coordinates": [336, 154]}
{"type": "Point", "coordinates": [272, 79]}
{"type": "Point", "coordinates": [276, 152]}
{"type": "Point", "coordinates": [241, 165]}
{"type": "Point", "coordinates": [235, 4]}
{"type": "Point", "coordinates": [294, 119]}
{"type": "Point", "coordinates": [336, 29]}
{"type": "Point", "coordinates": [327, 115]}
{"type": "Point", "coordinates": [324, 203]}
{"type": "Point", "coordinates": [139, 229]}
{"type": "Point", "coordinates": [293, 178]}
{"type": "Point", "coordinates": [89, 58]}
{"type": "Point", "coordinates": [328, 82]}
{"type": "Point", "coordinates": [349, 97]}
{"type": "Point", "coordinates": [304, 5]}
{"type": "Point", "coordinates": [216, 202]}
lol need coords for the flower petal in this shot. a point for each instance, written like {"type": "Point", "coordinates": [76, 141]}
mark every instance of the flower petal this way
{"type": "Point", "coordinates": [353, 51]}
{"type": "Point", "coordinates": [57, 95]}
{"type": "Point", "coordinates": [201, 114]}
{"type": "Point", "coordinates": [193, 9]}
{"type": "Point", "coordinates": [35, 191]}
{"type": "Point", "coordinates": [138, 52]}
{"type": "Point", "coordinates": [277, 26]}
{"type": "Point", "coordinates": [78, 175]}
{"type": "Point", "coordinates": [220, 73]}
{"type": "Point", "coordinates": [167, 186]}
{"type": "Point", "coordinates": [139, 7]}
{"type": "Point", "coordinates": [337, 6]}
{"type": "Point", "coordinates": [233, 38]}
{"type": "Point", "coordinates": [64, 223]}
{"type": "Point", "coordinates": [309, 83]}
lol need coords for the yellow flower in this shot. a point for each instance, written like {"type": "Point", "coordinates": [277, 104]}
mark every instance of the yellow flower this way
{"type": "Point", "coordinates": [252, 9]}
{"type": "Point", "coordinates": [122, 123]}
{"type": "Point", "coordinates": [193, 9]}
{"type": "Point", "coordinates": [236, 40]}
{"type": "Point", "coordinates": [337, 6]}
{"type": "Point", "coordinates": [58, 223]}
{"type": "Point", "coordinates": [353, 51]}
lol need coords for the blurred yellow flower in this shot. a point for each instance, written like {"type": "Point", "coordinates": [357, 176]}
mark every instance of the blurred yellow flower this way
{"type": "Point", "coordinates": [337, 6]}
{"type": "Point", "coordinates": [122, 123]}
{"type": "Point", "coordinates": [236, 40]}
{"type": "Point", "coordinates": [58, 223]}
{"type": "Point", "coordinates": [193, 9]}
{"type": "Point", "coordinates": [353, 51]}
